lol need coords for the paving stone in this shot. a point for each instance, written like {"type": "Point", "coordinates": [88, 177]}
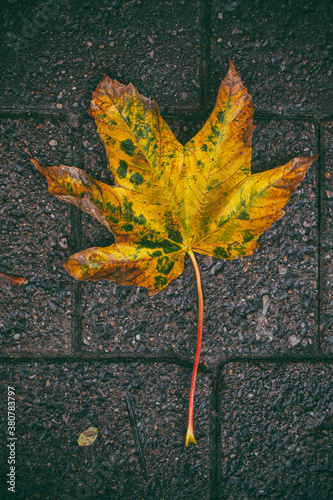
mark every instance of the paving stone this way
{"type": "Point", "coordinates": [267, 302]}
{"type": "Point", "coordinates": [56, 403]}
{"type": "Point", "coordinates": [280, 49]}
{"type": "Point", "coordinates": [276, 432]}
{"type": "Point", "coordinates": [55, 53]}
{"type": "Point", "coordinates": [327, 240]}
{"type": "Point", "coordinates": [261, 304]}
{"type": "Point", "coordinates": [35, 239]}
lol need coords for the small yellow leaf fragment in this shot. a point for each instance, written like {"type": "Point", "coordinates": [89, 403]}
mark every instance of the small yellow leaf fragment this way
{"type": "Point", "coordinates": [87, 437]}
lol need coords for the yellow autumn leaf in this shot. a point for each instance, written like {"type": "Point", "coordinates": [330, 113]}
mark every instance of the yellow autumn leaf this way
{"type": "Point", "coordinates": [169, 199]}
{"type": "Point", "coordinates": [87, 437]}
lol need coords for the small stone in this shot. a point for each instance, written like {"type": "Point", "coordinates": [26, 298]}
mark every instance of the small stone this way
{"type": "Point", "coordinates": [219, 40]}
{"type": "Point", "coordinates": [89, 44]}
{"type": "Point", "coordinates": [150, 40]}
{"type": "Point", "coordinates": [59, 105]}
{"type": "Point", "coordinates": [17, 336]}
{"type": "Point", "coordinates": [329, 194]}
{"type": "Point", "coordinates": [101, 46]}
{"type": "Point", "coordinates": [282, 270]}
{"type": "Point", "coordinates": [294, 340]}
{"type": "Point", "coordinates": [265, 304]}
{"type": "Point", "coordinates": [184, 96]}
{"type": "Point", "coordinates": [330, 339]}
{"type": "Point", "coordinates": [53, 142]}
{"type": "Point", "coordinates": [111, 44]}
{"type": "Point", "coordinates": [151, 54]}
{"type": "Point", "coordinates": [63, 243]}
{"type": "Point", "coordinates": [208, 260]}
{"type": "Point", "coordinates": [217, 268]}
{"type": "Point", "coordinates": [53, 306]}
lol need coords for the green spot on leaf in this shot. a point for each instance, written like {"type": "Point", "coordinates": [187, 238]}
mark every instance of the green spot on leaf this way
{"type": "Point", "coordinates": [127, 146]}
{"type": "Point", "coordinates": [243, 216]}
{"type": "Point", "coordinates": [122, 169]}
{"type": "Point", "coordinates": [164, 265]}
{"type": "Point", "coordinates": [215, 131]}
{"type": "Point", "coordinates": [136, 179]}
{"type": "Point", "coordinates": [141, 220]}
{"type": "Point", "coordinates": [157, 253]}
{"type": "Point", "coordinates": [248, 235]}
{"type": "Point", "coordinates": [221, 253]}
{"type": "Point", "coordinates": [166, 245]}
{"type": "Point", "coordinates": [160, 281]}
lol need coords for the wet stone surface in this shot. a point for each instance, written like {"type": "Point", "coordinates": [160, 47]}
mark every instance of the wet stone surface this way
{"type": "Point", "coordinates": [327, 241]}
{"type": "Point", "coordinates": [264, 430]}
{"type": "Point", "coordinates": [55, 53]}
{"type": "Point", "coordinates": [260, 304]}
{"type": "Point", "coordinates": [276, 426]}
{"type": "Point", "coordinates": [280, 49]}
{"type": "Point", "coordinates": [267, 302]}
{"type": "Point", "coordinates": [56, 403]}
{"type": "Point", "coordinates": [36, 239]}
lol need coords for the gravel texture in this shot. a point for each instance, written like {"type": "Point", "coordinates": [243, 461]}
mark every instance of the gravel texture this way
{"type": "Point", "coordinates": [56, 403]}
{"type": "Point", "coordinates": [36, 239]}
{"type": "Point", "coordinates": [281, 49]}
{"type": "Point", "coordinates": [56, 52]}
{"type": "Point", "coordinates": [276, 426]}
{"type": "Point", "coordinates": [327, 240]}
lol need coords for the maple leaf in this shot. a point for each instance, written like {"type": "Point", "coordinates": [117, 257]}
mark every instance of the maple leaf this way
{"type": "Point", "coordinates": [169, 199]}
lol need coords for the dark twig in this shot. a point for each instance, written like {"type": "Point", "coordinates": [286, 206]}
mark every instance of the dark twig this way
{"type": "Point", "coordinates": [136, 434]}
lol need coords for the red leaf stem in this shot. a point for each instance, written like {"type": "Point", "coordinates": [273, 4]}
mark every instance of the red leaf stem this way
{"type": "Point", "coordinates": [190, 434]}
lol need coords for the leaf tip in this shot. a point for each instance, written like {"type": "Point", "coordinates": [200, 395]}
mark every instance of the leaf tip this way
{"type": "Point", "coordinates": [232, 70]}
{"type": "Point", "coordinates": [73, 269]}
{"type": "Point", "coordinates": [36, 165]}
{"type": "Point", "coordinates": [314, 157]}
{"type": "Point", "coordinates": [231, 65]}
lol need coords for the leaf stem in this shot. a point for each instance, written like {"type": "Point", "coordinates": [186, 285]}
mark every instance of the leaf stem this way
{"type": "Point", "coordinates": [189, 434]}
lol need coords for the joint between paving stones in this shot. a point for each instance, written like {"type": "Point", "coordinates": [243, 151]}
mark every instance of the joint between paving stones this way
{"type": "Point", "coordinates": [202, 112]}
{"type": "Point", "coordinates": [76, 230]}
{"type": "Point", "coordinates": [205, 55]}
{"type": "Point", "coordinates": [319, 234]}
{"type": "Point", "coordinates": [215, 439]}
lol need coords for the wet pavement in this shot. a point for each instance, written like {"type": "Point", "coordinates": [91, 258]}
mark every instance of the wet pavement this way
{"type": "Point", "coordinates": [83, 354]}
